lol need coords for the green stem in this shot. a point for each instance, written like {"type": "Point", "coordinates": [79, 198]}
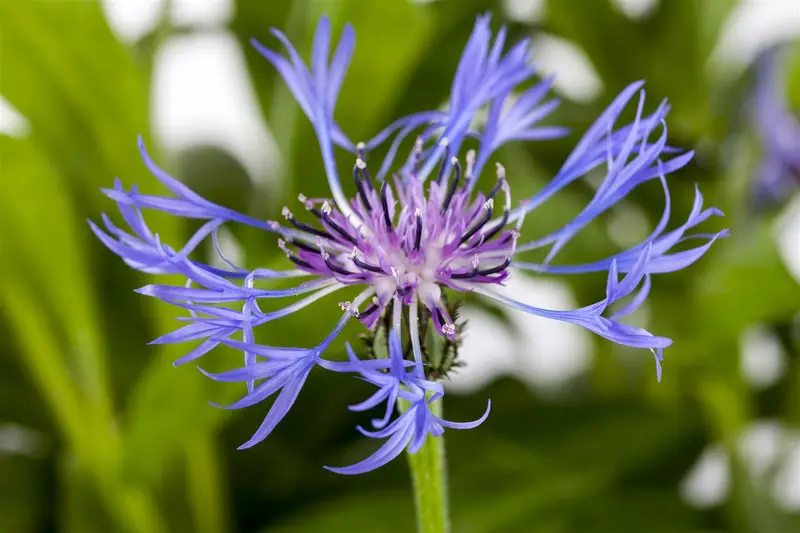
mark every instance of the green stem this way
{"type": "Point", "coordinates": [429, 478]}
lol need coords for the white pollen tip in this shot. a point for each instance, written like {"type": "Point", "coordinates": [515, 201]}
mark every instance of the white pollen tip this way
{"type": "Point", "coordinates": [326, 207]}
{"type": "Point", "coordinates": [361, 164]}
{"type": "Point", "coordinates": [488, 204]}
{"type": "Point", "coordinates": [471, 157]}
{"type": "Point", "coordinates": [344, 306]}
{"type": "Point", "coordinates": [501, 171]}
{"type": "Point", "coordinates": [417, 212]}
{"type": "Point", "coordinates": [273, 225]}
{"type": "Point", "coordinates": [449, 329]}
{"type": "Point", "coordinates": [355, 253]}
{"type": "Point", "coordinates": [285, 212]}
{"type": "Point", "coordinates": [375, 300]}
{"type": "Point", "coordinates": [361, 146]}
{"type": "Point", "coordinates": [443, 141]}
{"type": "Point", "coordinates": [454, 160]}
{"type": "Point", "coordinates": [302, 198]}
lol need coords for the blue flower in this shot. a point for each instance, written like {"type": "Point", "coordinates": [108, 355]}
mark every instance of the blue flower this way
{"type": "Point", "coordinates": [779, 132]}
{"type": "Point", "coordinates": [407, 241]}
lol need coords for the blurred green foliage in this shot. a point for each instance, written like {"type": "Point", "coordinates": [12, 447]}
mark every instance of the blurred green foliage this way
{"type": "Point", "coordinates": [116, 439]}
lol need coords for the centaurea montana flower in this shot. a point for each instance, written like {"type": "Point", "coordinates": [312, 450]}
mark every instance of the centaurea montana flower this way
{"type": "Point", "coordinates": [408, 239]}
{"type": "Point", "coordinates": [778, 130]}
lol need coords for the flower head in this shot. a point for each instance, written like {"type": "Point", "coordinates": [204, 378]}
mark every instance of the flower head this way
{"type": "Point", "coordinates": [779, 132]}
{"type": "Point", "coordinates": [409, 239]}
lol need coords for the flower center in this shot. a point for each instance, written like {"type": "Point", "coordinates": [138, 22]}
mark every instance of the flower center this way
{"type": "Point", "coordinates": [408, 242]}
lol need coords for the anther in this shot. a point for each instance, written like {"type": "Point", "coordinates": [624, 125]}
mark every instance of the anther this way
{"type": "Point", "coordinates": [448, 329]}
{"type": "Point", "coordinates": [283, 247]}
{"type": "Point", "coordinates": [470, 164]}
{"type": "Point", "coordinates": [326, 208]}
{"type": "Point", "coordinates": [286, 213]}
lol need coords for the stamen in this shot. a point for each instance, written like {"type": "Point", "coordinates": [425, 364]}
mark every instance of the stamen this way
{"type": "Point", "coordinates": [302, 226]}
{"type": "Point", "coordinates": [324, 216]}
{"type": "Point", "coordinates": [326, 257]}
{"type": "Point", "coordinates": [366, 266]}
{"type": "Point", "coordinates": [487, 206]}
{"type": "Point", "coordinates": [494, 270]}
{"type": "Point", "coordinates": [360, 186]}
{"type": "Point", "coordinates": [361, 166]}
{"type": "Point", "coordinates": [385, 204]}
{"type": "Point", "coordinates": [293, 258]}
{"type": "Point", "coordinates": [448, 329]}
{"type": "Point", "coordinates": [418, 229]}
{"type": "Point", "coordinates": [348, 306]}
{"type": "Point", "coordinates": [369, 310]}
{"type": "Point", "coordinates": [361, 150]}
{"type": "Point", "coordinates": [303, 246]}
{"type": "Point", "coordinates": [451, 190]}
{"type": "Point", "coordinates": [497, 228]}
{"type": "Point", "coordinates": [443, 168]}
{"type": "Point", "coordinates": [470, 165]}
{"type": "Point", "coordinates": [284, 248]}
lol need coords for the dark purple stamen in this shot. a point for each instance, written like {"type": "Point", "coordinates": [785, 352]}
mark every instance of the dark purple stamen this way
{"type": "Point", "coordinates": [305, 227]}
{"type": "Point", "coordinates": [497, 228]}
{"type": "Point", "coordinates": [451, 190]}
{"type": "Point", "coordinates": [334, 267]}
{"type": "Point", "coordinates": [368, 311]}
{"type": "Point", "coordinates": [443, 168]}
{"type": "Point", "coordinates": [337, 228]}
{"type": "Point", "coordinates": [385, 204]}
{"type": "Point", "coordinates": [496, 188]}
{"type": "Point", "coordinates": [366, 266]}
{"type": "Point", "coordinates": [303, 246]}
{"type": "Point", "coordinates": [418, 233]}
{"type": "Point", "coordinates": [487, 215]}
{"type": "Point", "coordinates": [299, 262]}
{"type": "Point", "coordinates": [494, 270]}
{"type": "Point", "coordinates": [360, 188]}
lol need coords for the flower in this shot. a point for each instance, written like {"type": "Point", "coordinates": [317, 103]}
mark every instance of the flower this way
{"type": "Point", "coordinates": [408, 240]}
{"type": "Point", "coordinates": [779, 132]}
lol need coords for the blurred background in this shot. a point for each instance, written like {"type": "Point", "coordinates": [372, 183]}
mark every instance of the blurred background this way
{"type": "Point", "coordinates": [99, 433]}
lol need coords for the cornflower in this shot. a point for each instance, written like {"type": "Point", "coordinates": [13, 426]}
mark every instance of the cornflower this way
{"type": "Point", "coordinates": [407, 240]}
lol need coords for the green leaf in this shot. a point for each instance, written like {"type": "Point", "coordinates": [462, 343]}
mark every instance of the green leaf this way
{"type": "Point", "coordinates": [80, 89]}
{"type": "Point", "coordinates": [51, 259]}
